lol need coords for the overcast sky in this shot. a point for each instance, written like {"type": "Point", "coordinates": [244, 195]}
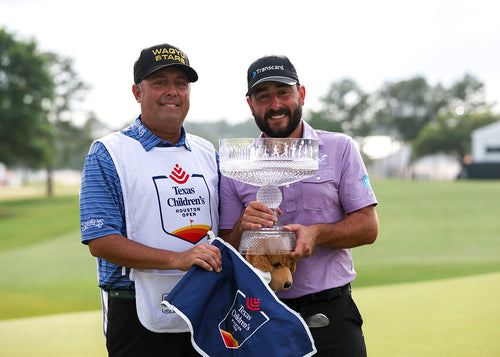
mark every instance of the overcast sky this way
{"type": "Point", "coordinates": [369, 41]}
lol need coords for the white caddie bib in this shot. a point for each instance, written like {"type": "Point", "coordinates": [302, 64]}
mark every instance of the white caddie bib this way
{"type": "Point", "coordinates": [171, 202]}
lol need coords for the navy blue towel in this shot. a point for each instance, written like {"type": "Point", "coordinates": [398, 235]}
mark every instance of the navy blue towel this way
{"type": "Point", "coordinates": [235, 313]}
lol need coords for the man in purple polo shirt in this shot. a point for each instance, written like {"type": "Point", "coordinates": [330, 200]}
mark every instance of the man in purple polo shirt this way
{"type": "Point", "coordinates": [330, 212]}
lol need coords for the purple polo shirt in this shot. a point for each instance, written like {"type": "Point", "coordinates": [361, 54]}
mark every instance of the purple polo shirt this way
{"type": "Point", "coordinates": [340, 186]}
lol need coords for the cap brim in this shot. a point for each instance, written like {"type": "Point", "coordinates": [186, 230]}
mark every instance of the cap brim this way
{"type": "Point", "coordinates": [284, 80]}
{"type": "Point", "coordinates": [191, 73]}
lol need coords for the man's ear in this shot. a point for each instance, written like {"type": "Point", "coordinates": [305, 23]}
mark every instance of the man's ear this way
{"type": "Point", "coordinates": [250, 104]}
{"type": "Point", "coordinates": [302, 94]}
{"type": "Point", "coordinates": [136, 89]}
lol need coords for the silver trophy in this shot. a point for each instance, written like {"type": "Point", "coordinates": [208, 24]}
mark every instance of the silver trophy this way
{"type": "Point", "coordinates": [268, 163]}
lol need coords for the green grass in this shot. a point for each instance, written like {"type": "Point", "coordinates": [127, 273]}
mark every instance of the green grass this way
{"type": "Point", "coordinates": [52, 276]}
{"type": "Point", "coordinates": [427, 287]}
{"type": "Point", "coordinates": [432, 230]}
{"type": "Point", "coordinates": [64, 335]}
{"type": "Point", "coordinates": [45, 268]}
{"type": "Point", "coordinates": [428, 231]}
{"type": "Point", "coordinates": [32, 220]}
{"type": "Point", "coordinates": [452, 317]}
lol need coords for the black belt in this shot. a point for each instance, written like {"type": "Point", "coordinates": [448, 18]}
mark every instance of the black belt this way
{"type": "Point", "coordinates": [122, 294]}
{"type": "Point", "coordinates": [325, 295]}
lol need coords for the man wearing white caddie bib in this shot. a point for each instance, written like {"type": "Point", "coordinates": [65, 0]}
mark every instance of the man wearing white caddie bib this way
{"type": "Point", "coordinates": [149, 196]}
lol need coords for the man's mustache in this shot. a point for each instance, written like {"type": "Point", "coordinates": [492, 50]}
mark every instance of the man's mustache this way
{"type": "Point", "coordinates": [273, 112]}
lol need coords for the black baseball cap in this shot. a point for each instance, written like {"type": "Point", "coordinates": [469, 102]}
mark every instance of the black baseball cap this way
{"type": "Point", "coordinates": [161, 56]}
{"type": "Point", "coordinates": [271, 69]}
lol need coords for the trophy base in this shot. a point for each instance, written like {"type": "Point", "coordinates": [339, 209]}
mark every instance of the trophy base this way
{"type": "Point", "coordinates": [267, 241]}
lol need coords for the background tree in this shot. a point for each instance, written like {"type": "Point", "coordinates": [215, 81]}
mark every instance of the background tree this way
{"type": "Point", "coordinates": [67, 139]}
{"type": "Point", "coordinates": [72, 142]}
{"type": "Point", "coordinates": [405, 107]}
{"type": "Point", "coordinates": [467, 95]}
{"type": "Point", "coordinates": [26, 90]}
{"type": "Point", "coordinates": [38, 92]}
{"type": "Point", "coordinates": [345, 109]}
{"type": "Point", "coordinates": [450, 133]}
{"type": "Point", "coordinates": [222, 129]}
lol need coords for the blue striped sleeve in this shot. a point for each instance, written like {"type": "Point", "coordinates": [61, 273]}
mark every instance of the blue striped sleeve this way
{"type": "Point", "coordinates": [101, 202]}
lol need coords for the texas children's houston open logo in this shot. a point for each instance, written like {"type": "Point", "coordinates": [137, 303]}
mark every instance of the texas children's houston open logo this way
{"type": "Point", "coordinates": [243, 319]}
{"type": "Point", "coordinates": [184, 201]}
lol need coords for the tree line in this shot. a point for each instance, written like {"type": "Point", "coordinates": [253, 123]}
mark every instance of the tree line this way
{"type": "Point", "coordinates": [38, 92]}
{"type": "Point", "coordinates": [431, 118]}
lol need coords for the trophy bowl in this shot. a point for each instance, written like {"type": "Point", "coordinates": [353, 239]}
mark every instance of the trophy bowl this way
{"type": "Point", "coordinates": [268, 163]}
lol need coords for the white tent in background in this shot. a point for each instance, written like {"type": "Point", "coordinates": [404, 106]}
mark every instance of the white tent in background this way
{"type": "Point", "coordinates": [486, 143]}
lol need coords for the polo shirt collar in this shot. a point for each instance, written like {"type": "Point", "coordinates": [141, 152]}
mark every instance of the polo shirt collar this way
{"type": "Point", "coordinates": [149, 140]}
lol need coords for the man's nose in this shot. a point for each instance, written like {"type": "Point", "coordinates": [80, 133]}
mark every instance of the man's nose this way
{"type": "Point", "coordinates": [275, 102]}
{"type": "Point", "coordinates": [170, 89]}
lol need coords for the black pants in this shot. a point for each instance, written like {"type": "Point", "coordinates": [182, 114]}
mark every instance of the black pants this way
{"type": "Point", "coordinates": [127, 337]}
{"type": "Point", "coordinates": [343, 336]}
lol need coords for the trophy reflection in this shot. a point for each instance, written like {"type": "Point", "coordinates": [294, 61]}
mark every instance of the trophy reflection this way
{"type": "Point", "coordinates": [268, 163]}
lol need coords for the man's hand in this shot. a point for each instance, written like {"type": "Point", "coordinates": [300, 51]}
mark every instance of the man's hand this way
{"type": "Point", "coordinates": [256, 216]}
{"type": "Point", "coordinates": [358, 228]}
{"type": "Point", "coordinates": [306, 240]}
{"type": "Point", "coordinates": [204, 255]}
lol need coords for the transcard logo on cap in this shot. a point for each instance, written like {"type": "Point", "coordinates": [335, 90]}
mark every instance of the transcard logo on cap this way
{"type": "Point", "coordinates": [267, 68]}
{"type": "Point", "coordinates": [271, 69]}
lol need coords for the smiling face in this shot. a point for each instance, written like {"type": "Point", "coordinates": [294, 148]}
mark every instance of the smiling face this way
{"type": "Point", "coordinates": [277, 109]}
{"type": "Point", "coordinates": [164, 100]}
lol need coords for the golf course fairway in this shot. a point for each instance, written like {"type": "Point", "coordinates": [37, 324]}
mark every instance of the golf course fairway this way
{"type": "Point", "coordinates": [453, 317]}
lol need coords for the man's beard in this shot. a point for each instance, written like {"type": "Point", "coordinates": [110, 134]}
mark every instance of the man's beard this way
{"type": "Point", "coordinates": [294, 121]}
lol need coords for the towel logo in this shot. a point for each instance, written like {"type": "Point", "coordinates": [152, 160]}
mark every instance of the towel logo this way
{"type": "Point", "coordinates": [253, 304]}
{"type": "Point", "coordinates": [242, 320]}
